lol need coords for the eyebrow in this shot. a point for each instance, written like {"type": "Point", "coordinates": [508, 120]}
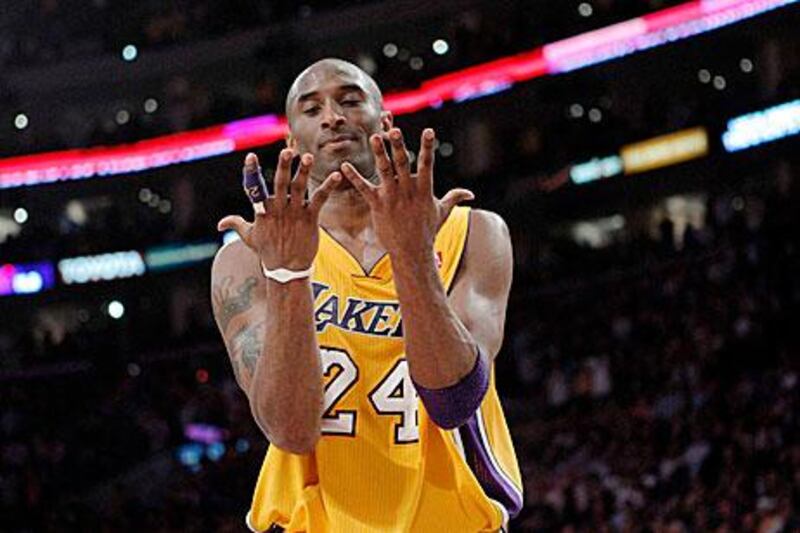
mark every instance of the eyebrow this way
{"type": "Point", "coordinates": [342, 89]}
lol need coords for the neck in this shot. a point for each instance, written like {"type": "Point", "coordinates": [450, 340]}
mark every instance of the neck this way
{"type": "Point", "coordinates": [346, 211]}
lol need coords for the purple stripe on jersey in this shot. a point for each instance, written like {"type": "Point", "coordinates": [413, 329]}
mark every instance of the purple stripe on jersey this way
{"type": "Point", "coordinates": [493, 482]}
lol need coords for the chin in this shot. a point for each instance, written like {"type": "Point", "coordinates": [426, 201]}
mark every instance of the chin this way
{"type": "Point", "coordinates": [333, 164]}
{"type": "Point", "coordinates": [364, 165]}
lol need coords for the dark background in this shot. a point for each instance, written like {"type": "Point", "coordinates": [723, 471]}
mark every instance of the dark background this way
{"type": "Point", "coordinates": [649, 371]}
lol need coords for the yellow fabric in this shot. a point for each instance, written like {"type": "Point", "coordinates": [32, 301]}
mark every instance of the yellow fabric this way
{"type": "Point", "coordinates": [367, 481]}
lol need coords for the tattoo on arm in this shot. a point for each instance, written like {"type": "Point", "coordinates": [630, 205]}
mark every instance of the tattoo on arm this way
{"type": "Point", "coordinates": [230, 301]}
{"type": "Point", "coordinates": [247, 345]}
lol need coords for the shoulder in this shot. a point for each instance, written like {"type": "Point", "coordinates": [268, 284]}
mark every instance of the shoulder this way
{"type": "Point", "coordinates": [487, 256]}
{"type": "Point", "coordinates": [488, 233]}
{"type": "Point", "coordinates": [236, 258]}
{"type": "Point", "coordinates": [488, 222]}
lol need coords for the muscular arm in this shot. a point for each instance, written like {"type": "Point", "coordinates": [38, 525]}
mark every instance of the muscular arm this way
{"type": "Point", "coordinates": [269, 333]}
{"type": "Point", "coordinates": [441, 335]}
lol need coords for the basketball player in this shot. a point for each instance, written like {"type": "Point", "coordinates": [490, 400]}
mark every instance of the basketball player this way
{"type": "Point", "coordinates": [363, 323]}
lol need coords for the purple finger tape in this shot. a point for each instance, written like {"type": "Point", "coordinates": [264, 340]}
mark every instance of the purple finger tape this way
{"type": "Point", "coordinates": [254, 185]}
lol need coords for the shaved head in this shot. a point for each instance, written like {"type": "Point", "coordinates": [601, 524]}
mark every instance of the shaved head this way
{"type": "Point", "coordinates": [327, 67]}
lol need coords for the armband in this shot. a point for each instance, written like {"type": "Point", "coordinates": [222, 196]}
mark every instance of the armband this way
{"type": "Point", "coordinates": [452, 406]}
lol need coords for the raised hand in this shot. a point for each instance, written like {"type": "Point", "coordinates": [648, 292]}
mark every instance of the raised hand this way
{"type": "Point", "coordinates": [405, 213]}
{"type": "Point", "coordinates": [285, 231]}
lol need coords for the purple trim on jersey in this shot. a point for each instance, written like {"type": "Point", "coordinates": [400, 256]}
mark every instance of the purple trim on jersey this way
{"type": "Point", "coordinates": [452, 406]}
{"type": "Point", "coordinates": [494, 483]}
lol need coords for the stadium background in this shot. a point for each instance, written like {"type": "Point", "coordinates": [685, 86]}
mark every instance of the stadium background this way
{"type": "Point", "coordinates": [650, 369]}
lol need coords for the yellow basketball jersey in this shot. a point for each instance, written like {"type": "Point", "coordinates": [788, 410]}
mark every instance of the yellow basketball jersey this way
{"type": "Point", "coordinates": [381, 464]}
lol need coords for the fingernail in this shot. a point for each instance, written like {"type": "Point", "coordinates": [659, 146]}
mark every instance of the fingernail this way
{"type": "Point", "coordinates": [308, 159]}
{"type": "Point", "coordinates": [428, 134]}
{"type": "Point", "coordinates": [395, 134]}
{"type": "Point", "coordinates": [336, 176]}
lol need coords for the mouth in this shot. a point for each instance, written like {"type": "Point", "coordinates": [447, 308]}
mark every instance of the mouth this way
{"type": "Point", "coordinates": [338, 142]}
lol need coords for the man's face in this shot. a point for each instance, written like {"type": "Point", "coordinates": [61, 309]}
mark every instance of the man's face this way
{"type": "Point", "coordinates": [332, 113]}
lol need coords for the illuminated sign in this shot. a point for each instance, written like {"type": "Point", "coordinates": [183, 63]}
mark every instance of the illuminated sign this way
{"type": "Point", "coordinates": [596, 169]}
{"type": "Point", "coordinates": [651, 30]}
{"type": "Point", "coordinates": [762, 127]}
{"type": "Point", "coordinates": [179, 255]}
{"type": "Point", "coordinates": [104, 267]}
{"type": "Point", "coordinates": [26, 278]}
{"type": "Point", "coordinates": [665, 150]}
{"type": "Point", "coordinates": [618, 40]}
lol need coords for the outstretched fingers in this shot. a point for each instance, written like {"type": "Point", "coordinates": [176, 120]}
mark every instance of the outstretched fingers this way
{"type": "Point", "coordinates": [367, 189]}
{"type": "Point", "coordinates": [300, 182]}
{"type": "Point", "coordinates": [426, 159]}
{"type": "Point", "coordinates": [402, 165]}
{"type": "Point", "coordinates": [282, 179]}
{"type": "Point", "coordinates": [383, 164]}
{"type": "Point", "coordinates": [253, 182]}
{"type": "Point", "coordinates": [323, 192]}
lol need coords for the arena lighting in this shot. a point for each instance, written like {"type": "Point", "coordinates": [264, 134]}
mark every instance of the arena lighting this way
{"type": "Point", "coordinates": [440, 47]}
{"type": "Point", "coordinates": [115, 309]}
{"type": "Point", "coordinates": [665, 150]}
{"type": "Point", "coordinates": [27, 278]}
{"type": "Point", "coordinates": [20, 215]}
{"type": "Point", "coordinates": [21, 121]}
{"type": "Point", "coordinates": [103, 267]}
{"type": "Point", "coordinates": [597, 168]}
{"type": "Point", "coordinates": [215, 451]}
{"type": "Point", "coordinates": [230, 236]}
{"type": "Point", "coordinates": [144, 155]}
{"type": "Point", "coordinates": [150, 105]}
{"type": "Point", "coordinates": [242, 445]}
{"type": "Point", "coordinates": [171, 256]}
{"type": "Point", "coordinates": [130, 52]}
{"type": "Point", "coordinates": [204, 433]}
{"type": "Point", "coordinates": [390, 50]}
{"type": "Point", "coordinates": [655, 29]}
{"type": "Point", "coordinates": [36, 277]}
{"type": "Point", "coordinates": [754, 129]}
{"type": "Point", "coordinates": [190, 455]}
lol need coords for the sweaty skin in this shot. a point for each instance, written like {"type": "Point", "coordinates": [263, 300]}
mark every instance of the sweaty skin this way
{"type": "Point", "coordinates": [336, 116]}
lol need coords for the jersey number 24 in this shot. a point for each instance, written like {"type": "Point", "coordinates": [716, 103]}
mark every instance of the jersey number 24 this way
{"type": "Point", "coordinates": [393, 396]}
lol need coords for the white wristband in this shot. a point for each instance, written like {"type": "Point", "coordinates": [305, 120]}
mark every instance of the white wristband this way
{"type": "Point", "coordinates": [284, 275]}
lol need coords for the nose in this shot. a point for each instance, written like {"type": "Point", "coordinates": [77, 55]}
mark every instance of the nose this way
{"type": "Point", "coordinates": [332, 115]}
